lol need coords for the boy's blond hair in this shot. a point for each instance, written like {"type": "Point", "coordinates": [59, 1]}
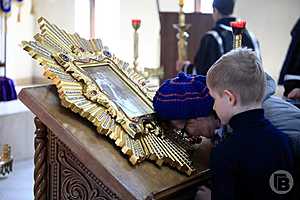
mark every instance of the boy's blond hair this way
{"type": "Point", "coordinates": [239, 71]}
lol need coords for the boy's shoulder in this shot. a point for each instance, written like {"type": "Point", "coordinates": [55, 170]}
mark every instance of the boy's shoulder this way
{"type": "Point", "coordinates": [255, 124]}
{"type": "Point", "coordinates": [263, 134]}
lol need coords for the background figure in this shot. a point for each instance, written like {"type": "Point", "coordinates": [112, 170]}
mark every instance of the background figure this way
{"type": "Point", "coordinates": [219, 40]}
{"type": "Point", "coordinates": [290, 72]}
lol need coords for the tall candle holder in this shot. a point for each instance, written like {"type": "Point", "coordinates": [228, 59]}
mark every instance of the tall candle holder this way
{"type": "Point", "coordinates": [136, 23]}
{"type": "Point", "coordinates": [6, 160]}
{"type": "Point", "coordinates": [238, 28]}
{"type": "Point", "coordinates": [182, 34]}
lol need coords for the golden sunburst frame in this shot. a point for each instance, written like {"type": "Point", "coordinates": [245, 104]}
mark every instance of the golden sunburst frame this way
{"type": "Point", "coordinates": [94, 83]}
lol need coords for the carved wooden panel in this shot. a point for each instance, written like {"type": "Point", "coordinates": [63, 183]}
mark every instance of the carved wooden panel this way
{"type": "Point", "coordinates": [69, 179]}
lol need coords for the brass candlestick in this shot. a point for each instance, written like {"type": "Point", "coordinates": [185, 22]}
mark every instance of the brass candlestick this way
{"type": "Point", "coordinates": [136, 23]}
{"type": "Point", "coordinates": [238, 28]}
{"type": "Point", "coordinates": [182, 34]}
{"type": "Point", "coordinates": [32, 10]}
{"type": "Point", "coordinates": [19, 5]}
{"type": "Point", "coordinates": [6, 161]}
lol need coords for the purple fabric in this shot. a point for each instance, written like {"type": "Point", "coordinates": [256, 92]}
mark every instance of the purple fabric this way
{"type": "Point", "coordinates": [7, 89]}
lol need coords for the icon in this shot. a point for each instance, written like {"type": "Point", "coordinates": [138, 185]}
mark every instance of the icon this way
{"type": "Point", "coordinates": [281, 182]}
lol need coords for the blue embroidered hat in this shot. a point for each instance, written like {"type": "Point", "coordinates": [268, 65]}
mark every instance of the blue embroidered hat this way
{"type": "Point", "coordinates": [183, 97]}
{"type": "Point", "coordinates": [224, 6]}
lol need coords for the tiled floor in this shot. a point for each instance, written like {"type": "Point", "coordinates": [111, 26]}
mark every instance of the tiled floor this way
{"type": "Point", "coordinates": [19, 184]}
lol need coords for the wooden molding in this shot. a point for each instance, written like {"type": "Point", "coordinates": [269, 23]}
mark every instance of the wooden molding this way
{"type": "Point", "coordinates": [40, 162]}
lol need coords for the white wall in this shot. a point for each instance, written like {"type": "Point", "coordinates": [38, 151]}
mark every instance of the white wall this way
{"type": "Point", "coordinates": [149, 43]}
{"type": "Point", "coordinates": [271, 21]}
{"type": "Point", "coordinates": [19, 64]}
{"type": "Point", "coordinates": [107, 14]}
{"type": "Point", "coordinates": [113, 27]}
{"type": "Point", "coordinates": [17, 130]}
{"type": "Point", "coordinates": [172, 6]}
{"type": "Point", "coordinates": [59, 12]}
{"type": "Point", "coordinates": [82, 17]}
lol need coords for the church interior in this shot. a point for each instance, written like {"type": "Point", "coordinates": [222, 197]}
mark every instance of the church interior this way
{"type": "Point", "coordinates": [52, 148]}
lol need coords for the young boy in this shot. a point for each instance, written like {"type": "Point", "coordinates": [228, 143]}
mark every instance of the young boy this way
{"type": "Point", "coordinates": [245, 165]}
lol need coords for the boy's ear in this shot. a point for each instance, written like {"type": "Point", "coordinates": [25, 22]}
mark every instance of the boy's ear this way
{"type": "Point", "coordinates": [232, 99]}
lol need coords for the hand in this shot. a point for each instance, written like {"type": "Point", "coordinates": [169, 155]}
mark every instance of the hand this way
{"type": "Point", "coordinates": [294, 94]}
{"type": "Point", "coordinates": [203, 193]}
{"type": "Point", "coordinates": [181, 64]}
{"type": "Point", "coordinates": [202, 126]}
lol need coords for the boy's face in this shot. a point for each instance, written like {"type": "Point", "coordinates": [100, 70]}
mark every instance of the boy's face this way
{"type": "Point", "coordinates": [223, 105]}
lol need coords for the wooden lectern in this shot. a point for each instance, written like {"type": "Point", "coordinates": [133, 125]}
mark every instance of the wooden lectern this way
{"type": "Point", "coordinates": [72, 161]}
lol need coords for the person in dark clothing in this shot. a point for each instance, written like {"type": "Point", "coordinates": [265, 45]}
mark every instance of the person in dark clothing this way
{"type": "Point", "coordinates": [218, 41]}
{"type": "Point", "coordinates": [183, 102]}
{"type": "Point", "coordinates": [243, 164]}
{"type": "Point", "coordinates": [290, 72]}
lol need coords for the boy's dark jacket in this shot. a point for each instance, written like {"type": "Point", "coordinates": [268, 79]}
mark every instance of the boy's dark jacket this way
{"type": "Point", "coordinates": [243, 163]}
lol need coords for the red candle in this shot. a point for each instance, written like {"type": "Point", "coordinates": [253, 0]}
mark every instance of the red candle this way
{"type": "Point", "coordinates": [238, 24]}
{"type": "Point", "coordinates": [136, 23]}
